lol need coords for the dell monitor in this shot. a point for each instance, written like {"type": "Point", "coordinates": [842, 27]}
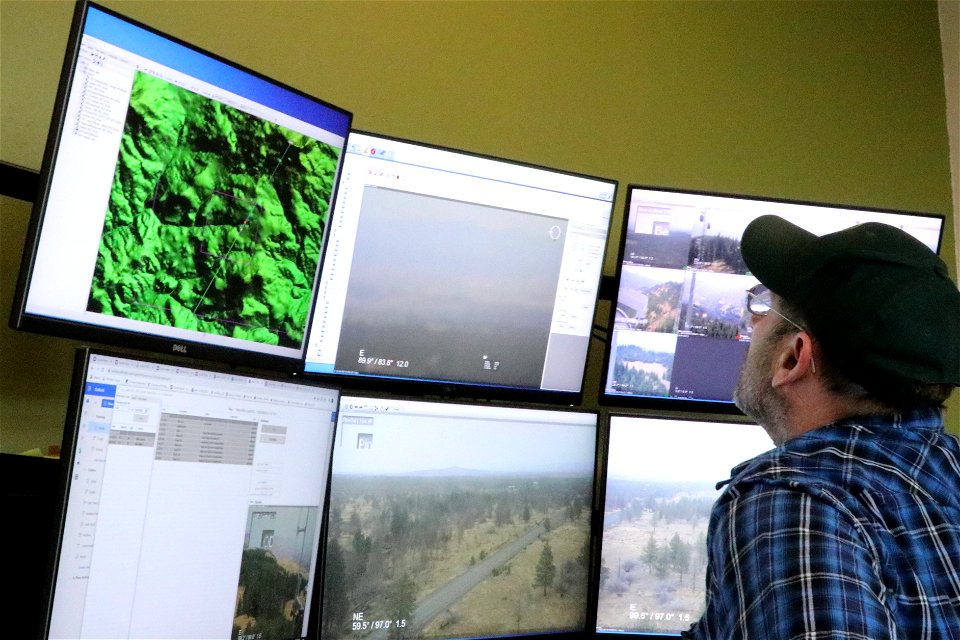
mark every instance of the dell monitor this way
{"type": "Point", "coordinates": [183, 201]}
{"type": "Point", "coordinates": [451, 520]}
{"type": "Point", "coordinates": [661, 482]}
{"type": "Point", "coordinates": [457, 274]}
{"type": "Point", "coordinates": [679, 327]}
{"type": "Point", "coordinates": [192, 503]}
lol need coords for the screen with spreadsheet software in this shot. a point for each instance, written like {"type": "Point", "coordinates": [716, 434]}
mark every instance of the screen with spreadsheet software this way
{"type": "Point", "coordinates": [193, 503]}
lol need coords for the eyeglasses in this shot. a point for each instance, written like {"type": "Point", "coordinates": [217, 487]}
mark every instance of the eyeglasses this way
{"type": "Point", "coordinates": [760, 303]}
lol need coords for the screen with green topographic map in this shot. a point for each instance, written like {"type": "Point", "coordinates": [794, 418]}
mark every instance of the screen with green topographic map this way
{"type": "Point", "coordinates": [216, 219]}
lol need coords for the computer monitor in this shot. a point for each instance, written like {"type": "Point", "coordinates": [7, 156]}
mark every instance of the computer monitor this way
{"type": "Point", "coordinates": [459, 274]}
{"type": "Point", "coordinates": [192, 503]}
{"type": "Point", "coordinates": [456, 520]}
{"type": "Point", "coordinates": [183, 201]}
{"type": "Point", "coordinates": [679, 327]}
{"type": "Point", "coordinates": [661, 477]}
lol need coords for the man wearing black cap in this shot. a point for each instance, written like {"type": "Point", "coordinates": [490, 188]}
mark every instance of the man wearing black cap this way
{"type": "Point", "coordinates": [850, 527]}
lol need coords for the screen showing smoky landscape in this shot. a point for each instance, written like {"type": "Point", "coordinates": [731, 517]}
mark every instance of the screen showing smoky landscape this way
{"type": "Point", "coordinates": [216, 219]}
{"type": "Point", "coordinates": [470, 296]}
{"type": "Point", "coordinates": [451, 521]}
{"type": "Point", "coordinates": [661, 485]}
{"type": "Point", "coordinates": [449, 271]}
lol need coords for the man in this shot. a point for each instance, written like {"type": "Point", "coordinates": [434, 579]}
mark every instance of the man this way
{"type": "Point", "coordinates": [850, 527]}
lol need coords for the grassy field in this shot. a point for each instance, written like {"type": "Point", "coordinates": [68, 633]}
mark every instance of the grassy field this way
{"type": "Point", "coordinates": [468, 547]}
{"type": "Point", "coordinates": [660, 603]}
{"type": "Point", "coordinates": [509, 603]}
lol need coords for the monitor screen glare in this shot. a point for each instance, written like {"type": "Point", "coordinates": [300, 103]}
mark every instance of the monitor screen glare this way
{"type": "Point", "coordinates": [660, 487]}
{"type": "Point", "coordinates": [457, 521]}
{"type": "Point", "coordinates": [193, 503]}
{"type": "Point", "coordinates": [681, 329]}
{"type": "Point", "coordinates": [183, 202]}
{"type": "Point", "coordinates": [448, 267]}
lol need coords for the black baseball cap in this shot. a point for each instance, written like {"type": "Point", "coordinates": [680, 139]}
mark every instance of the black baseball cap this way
{"type": "Point", "coordinates": [879, 300]}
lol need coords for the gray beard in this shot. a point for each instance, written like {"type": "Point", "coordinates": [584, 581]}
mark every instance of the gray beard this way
{"type": "Point", "coordinates": [756, 397]}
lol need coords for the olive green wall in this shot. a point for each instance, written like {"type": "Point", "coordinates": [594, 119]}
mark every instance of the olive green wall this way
{"type": "Point", "coordinates": [831, 101]}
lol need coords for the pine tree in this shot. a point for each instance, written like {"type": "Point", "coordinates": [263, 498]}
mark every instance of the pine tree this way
{"type": "Point", "coordinates": [680, 553]}
{"type": "Point", "coordinates": [402, 603]}
{"type": "Point", "coordinates": [650, 554]}
{"type": "Point", "coordinates": [336, 606]}
{"type": "Point", "coordinates": [546, 570]}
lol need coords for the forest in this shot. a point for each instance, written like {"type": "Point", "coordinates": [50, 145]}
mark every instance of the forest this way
{"type": "Point", "coordinates": [663, 307]}
{"type": "Point", "coordinates": [270, 599]}
{"type": "Point", "coordinates": [455, 555]}
{"type": "Point", "coordinates": [630, 376]}
{"type": "Point", "coordinates": [719, 254]}
{"type": "Point", "coordinates": [653, 558]}
{"type": "Point", "coordinates": [710, 323]}
{"type": "Point", "coordinates": [216, 219]}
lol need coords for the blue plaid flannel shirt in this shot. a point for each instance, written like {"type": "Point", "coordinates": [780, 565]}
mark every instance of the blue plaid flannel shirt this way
{"type": "Point", "coordinates": [851, 531]}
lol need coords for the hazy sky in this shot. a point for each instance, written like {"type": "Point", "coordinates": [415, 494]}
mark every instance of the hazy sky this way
{"type": "Point", "coordinates": [418, 256]}
{"type": "Point", "coordinates": [402, 444]}
{"type": "Point", "coordinates": [729, 216]}
{"type": "Point", "coordinates": [716, 288]}
{"type": "Point", "coordinates": [649, 340]}
{"type": "Point", "coordinates": [642, 277]}
{"type": "Point", "coordinates": [680, 450]}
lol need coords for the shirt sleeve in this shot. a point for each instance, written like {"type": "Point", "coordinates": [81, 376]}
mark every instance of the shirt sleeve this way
{"type": "Point", "coordinates": [789, 564]}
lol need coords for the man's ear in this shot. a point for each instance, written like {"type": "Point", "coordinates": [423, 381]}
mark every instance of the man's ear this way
{"type": "Point", "coordinates": [795, 360]}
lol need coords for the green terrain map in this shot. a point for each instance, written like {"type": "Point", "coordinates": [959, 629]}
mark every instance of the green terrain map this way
{"type": "Point", "coordinates": [216, 219]}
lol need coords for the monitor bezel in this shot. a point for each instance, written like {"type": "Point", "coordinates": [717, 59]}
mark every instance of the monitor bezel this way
{"type": "Point", "coordinates": [699, 405]}
{"type": "Point", "coordinates": [21, 319]}
{"type": "Point", "coordinates": [458, 391]}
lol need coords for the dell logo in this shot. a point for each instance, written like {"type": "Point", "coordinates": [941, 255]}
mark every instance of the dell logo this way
{"type": "Point", "coordinates": [179, 348]}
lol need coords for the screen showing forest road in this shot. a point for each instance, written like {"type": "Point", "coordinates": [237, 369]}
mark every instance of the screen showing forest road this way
{"type": "Point", "coordinates": [450, 521]}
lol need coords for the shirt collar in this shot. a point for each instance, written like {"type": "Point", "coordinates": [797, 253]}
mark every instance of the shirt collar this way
{"type": "Point", "coordinates": [929, 419]}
